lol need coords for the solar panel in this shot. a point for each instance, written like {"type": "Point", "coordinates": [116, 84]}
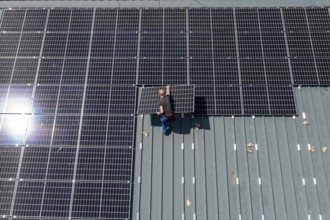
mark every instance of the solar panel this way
{"type": "Point", "coordinates": [34, 163]}
{"type": "Point", "coordinates": [270, 20]}
{"type": "Point", "coordinates": [175, 45]}
{"type": "Point", "coordinates": [78, 45]}
{"type": "Point", "coordinates": [105, 20]}
{"type": "Point", "coordinates": [8, 129]}
{"type": "Point", "coordinates": [118, 164]}
{"type": "Point", "coordinates": [74, 71]}
{"type": "Point", "coordinates": [87, 195]}
{"type": "Point", "coordinates": [150, 72]}
{"type": "Point", "coordinates": [61, 163]}
{"type": "Point", "coordinates": [151, 45]}
{"type": "Point", "coordinates": [175, 71]}
{"type": "Point", "coordinates": [6, 69]}
{"type": "Point", "coordinates": [8, 44]}
{"type": "Point", "coordinates": [25, 71]}
{"type": "Point", "coordinates": [40, 130]}
{"type": "Point", "coordinates": [249, 45]}
{"type": "Point", "coordinates": [12, 20]}
{"type": "Point", "coordinates": [97, 100]}
{"type": "Point", "coordinates": [56, 199]}
{"type": "Point", "coordinates": [222, 20]}
{"type": "Point", "coordinates": [228, 100]}
{"type": "Point", "coordinates": [299, 45]}
{"type": "Point", "coordinates": [304, 72]}
{"type": "Point", "coordinates": [103, 44]}
{"type": "Point", "coordinates": [122, 99]}
{"type": "Point", "coordinates": [6, 196]}
{"type": "Point", "coordinates": [226, 72]}
{"type": "Point", "coordinates": [273, 45]}
{"type": "Point", "coordinates": [70, 99]}
{"type": "Point", "coordinates": [182, 98]}
{"type": "Point", "coordinates": [9, 160]}
{"type": "Point", "coordinates": [128, 20]}
{"type": "Point", "coordinates": [55, 45]}
{"type": "Point", "coordinates": [91, 163]}
{"type": "Point", "coordinates": [152, 20]}
{"type": "Point", "coordinates": [126, 45]}
{"type": "Point", "coordinates": [174, 20]}
{"type": "Point", "coordinates": [295, 20]}
{"type": "Point", "coordinates": [108, 164]}
{"type": "Point", "coordinates": [30, 45]}
{"type": "Point", "coordinates": [323, 69]}
{"type": "Point", "coordinates": [247, 20]}
{"type": "Point", "coordinates": [58, 20]}
{"type": "Point", "coordinates": [255, 100]}
{"type": "Point", "coordinates": [94, 130]}
{"type": "Point", "coordinates": [224, 45]}
{"type": "Point", "coordinates": [66, 130]}
{"type": "Point", "coordinates": [120, 131]}
{"type": "Point", "coordinates": [321, 44]}
{"type": "Point", "coordinates": [200, 45]}
{"type": "Point", "coordinates": [81, 20]}
{"type": "Point", "coordinates": [281, 100]}
{"type": "Point", "coordinates": [21, 94]}
{"type": "Point", "coordinates": [318, 19]}
{"type": "Point", "coordinates": [277, 72]}
{"type": "Point", "coordinates": [199, 20]}
{"type": "Point", "coordinates": [28, 198]}
{"type": "Point", "coordinates": [50, 71]}
{"type": "Point", "coordinates": [205, 100]}
{"type": "Point", "coordinates": [3, 97]}
{"type": "Point", "coordinates": [252, 72]}
{"type": "Point", "coordinates": [116, 200]}
{"type": "Point", "coordinates": [35, 20]}
{"type": "Point", "coordinates": [100, 71]}
{"type": "Point", "coordinates": [124, 71]}
{"type": "Point", "coordinates": [198, 66]}
{"type": "Point", "coordinates": [45, 99]}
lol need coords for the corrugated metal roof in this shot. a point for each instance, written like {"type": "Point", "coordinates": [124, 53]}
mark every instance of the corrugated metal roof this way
{"type": "Point", "coordinates": [209, 174]}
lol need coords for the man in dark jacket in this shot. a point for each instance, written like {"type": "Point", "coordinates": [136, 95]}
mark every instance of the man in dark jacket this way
{"type": "Point", "coordinates": [165, 108]}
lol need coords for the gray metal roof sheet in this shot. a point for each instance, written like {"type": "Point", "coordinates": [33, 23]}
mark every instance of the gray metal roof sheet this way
{"type": "Point", "coordinates": [208, 173]}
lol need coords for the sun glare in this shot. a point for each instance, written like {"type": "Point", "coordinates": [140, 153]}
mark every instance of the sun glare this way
{"type": "Point", "coordinates": [17, 121]}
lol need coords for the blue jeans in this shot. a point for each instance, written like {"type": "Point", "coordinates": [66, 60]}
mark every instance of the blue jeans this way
{"type": "Point", "coordinates": [165, 122]}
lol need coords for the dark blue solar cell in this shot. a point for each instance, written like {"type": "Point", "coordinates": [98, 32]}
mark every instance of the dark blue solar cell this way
{"type": "Point", "coordinates": [35, 20]}
{"type": "Point", "coordinates": [105, 20]}
{"type": "Point", "coordinates": [34, 163]}
{"type": "Point", "coordinates": [58, 20]}
{"type": "Point", "coordinates": [94, 130]}
{"type": "Point", "coordinates": [56, 201]}
{"type": "Point", "coordinates": [40, 130]}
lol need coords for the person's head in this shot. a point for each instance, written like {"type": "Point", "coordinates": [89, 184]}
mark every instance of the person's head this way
{"type": "Point", "coordinates": [161, 93]}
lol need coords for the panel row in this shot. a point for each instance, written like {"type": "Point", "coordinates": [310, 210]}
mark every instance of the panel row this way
{"type": "Point", "coordinates": [52, 199]}
{"type": "Point", "coordinates": [116, 131]}
{"type": "Point", "coordinates": [168, 45]}
{"type": "Point", "coordinates": [57, 163]}
{"type": "Point", "coordinates": [67, 99]}
{"type": "Point", "coordinates": [168, 20]}
{"type": "Point", "coordinates": [245, 100]}
{"type": "Point", "coordinates": [305, 71]}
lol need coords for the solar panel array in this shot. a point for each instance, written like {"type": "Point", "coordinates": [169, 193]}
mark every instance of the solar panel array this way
{"type": "Point", "coordinates": [67, 115]}
{"type": "Point", "coordinates": [68, 90]}
{"type": "Point", "coordinates": [182, 99]}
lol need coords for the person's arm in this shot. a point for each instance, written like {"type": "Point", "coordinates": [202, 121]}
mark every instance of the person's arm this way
{"type": "Point", "coordinates": [168, 90]}
{"type": "Point", "coordinates": [161, 110]}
